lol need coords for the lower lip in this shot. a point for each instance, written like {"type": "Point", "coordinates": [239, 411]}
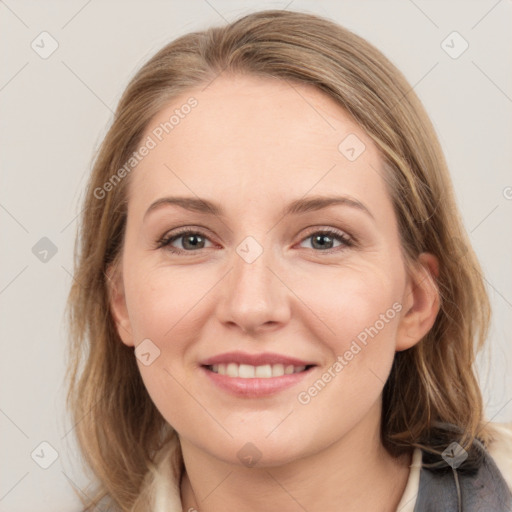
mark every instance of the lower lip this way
{"type": "Point", "coordinates": [255, 388]}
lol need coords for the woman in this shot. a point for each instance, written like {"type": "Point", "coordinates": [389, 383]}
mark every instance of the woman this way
{"type": "Point", "coordinates": [276, 304]}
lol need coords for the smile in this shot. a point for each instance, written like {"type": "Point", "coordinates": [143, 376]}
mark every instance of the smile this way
{"type": "Point", "coordinates": [247, 371]}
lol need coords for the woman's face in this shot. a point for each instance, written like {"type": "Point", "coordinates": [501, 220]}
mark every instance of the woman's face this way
{"type": "Point", "coordinates": [251, 289]}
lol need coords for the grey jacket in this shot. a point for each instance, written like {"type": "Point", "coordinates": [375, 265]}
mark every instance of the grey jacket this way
{"type": "Point", "coordinates": [454, 490]}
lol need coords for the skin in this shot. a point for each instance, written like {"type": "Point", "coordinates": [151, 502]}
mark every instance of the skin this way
{"type": "Point", "coordinates": [254, 145]}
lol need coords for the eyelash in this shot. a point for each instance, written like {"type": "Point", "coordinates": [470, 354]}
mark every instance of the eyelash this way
{"type": "Point", "coordinates": [347, 241]}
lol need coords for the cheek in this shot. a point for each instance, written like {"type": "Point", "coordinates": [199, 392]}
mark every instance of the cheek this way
{"type": "Point", "coordinates": [164, 303]}
{"type": "Point", "coordinates": [359, 315]}
{"type": "Point", "coordinates": [353, 303]}
{"type": "Point", "coordinates": [168, 307]}
{"type": "Point", "coordinates": [361, 355]}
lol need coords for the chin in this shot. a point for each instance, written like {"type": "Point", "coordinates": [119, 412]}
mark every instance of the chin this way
{"type": "Point", "coordinates": [259, 451]}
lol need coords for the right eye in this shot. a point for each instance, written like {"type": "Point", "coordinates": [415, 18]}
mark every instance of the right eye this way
{"type": "Point", "coordinates": [191, 240]}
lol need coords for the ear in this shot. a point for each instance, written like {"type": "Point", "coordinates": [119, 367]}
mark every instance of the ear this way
{"type": "Point", "coordinates": [117, 301]}
{"type": "Point", "coordinates": [421, 302]}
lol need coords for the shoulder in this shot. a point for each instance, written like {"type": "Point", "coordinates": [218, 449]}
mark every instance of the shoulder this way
{"type": "Point", "coordinates": [484, 482]}
{"type": "Point", "coordinates": [500, 449]}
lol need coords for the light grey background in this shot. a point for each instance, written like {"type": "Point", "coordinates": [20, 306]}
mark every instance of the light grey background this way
{"type": "Point", "coordinates": [54, 112]}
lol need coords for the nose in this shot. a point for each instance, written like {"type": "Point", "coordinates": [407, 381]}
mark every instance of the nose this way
{"type": "Point", "coordinates": [254, 298]}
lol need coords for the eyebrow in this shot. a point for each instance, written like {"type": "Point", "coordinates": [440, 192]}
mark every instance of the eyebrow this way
{"type": "Point", "coordinates": [296, 207]}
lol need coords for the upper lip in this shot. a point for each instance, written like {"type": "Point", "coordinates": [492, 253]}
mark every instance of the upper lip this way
{"type": "Point", "coordinates": [254, 359]}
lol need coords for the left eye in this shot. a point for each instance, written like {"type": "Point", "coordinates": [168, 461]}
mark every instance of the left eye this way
{"type": "Point", "coordinates": [322, 240]}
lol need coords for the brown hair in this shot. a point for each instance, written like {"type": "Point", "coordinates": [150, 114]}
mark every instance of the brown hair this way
{"type": "Point", "coordinates": [118, 427]}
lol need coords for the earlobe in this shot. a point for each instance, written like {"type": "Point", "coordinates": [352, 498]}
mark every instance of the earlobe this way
{"type": "Point", "coordinates": [421, 301]}
{"type": "Point", "coordinates": [117, 302]}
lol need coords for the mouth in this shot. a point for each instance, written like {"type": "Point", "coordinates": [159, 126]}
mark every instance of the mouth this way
{"type": "Point", "coordinates": [255, 375]}
{"type": "Point", "coordinates": [248, 371]}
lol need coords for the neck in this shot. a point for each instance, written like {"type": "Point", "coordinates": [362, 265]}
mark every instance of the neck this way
{"type": "Point", "coordinates": [355, 473]}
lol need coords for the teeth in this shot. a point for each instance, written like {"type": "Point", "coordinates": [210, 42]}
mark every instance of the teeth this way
{"type": "Point", "coordinates": [277, 370]}
{"type": "Point", "coordinates": [232, 370]}
{"type": "Point", "coordinates": [247, 371]}
{"type": "Point", "coordinates": [244, 370]}
{"type": "Point", "coordinates": [263, 372]}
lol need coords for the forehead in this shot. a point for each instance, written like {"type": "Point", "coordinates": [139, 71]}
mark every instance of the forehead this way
{"type": "Point", "coordinates": [248, 136]}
